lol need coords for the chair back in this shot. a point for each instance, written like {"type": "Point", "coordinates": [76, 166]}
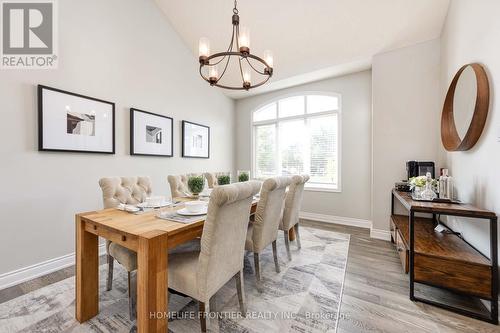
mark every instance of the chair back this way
{"type": "Point", "coordinates": [224, 234]}
{"type": "Point", "coordinates": [269, 212]}
{"type": "Point", "coordinates": [178, 186]}
{"type": "Point", "coordinates": [211, 179]}
{"type": "Point", "coordinates": [126, 190]}
{"type": "Point", "coordinates": [293, 201]}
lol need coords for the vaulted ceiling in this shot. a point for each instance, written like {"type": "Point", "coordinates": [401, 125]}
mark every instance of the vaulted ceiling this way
{"type": "Point", "coordinates": [310, 39]}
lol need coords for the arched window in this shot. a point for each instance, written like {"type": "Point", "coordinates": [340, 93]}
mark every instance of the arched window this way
{"type": "Point", "coordinates": [299, 134]}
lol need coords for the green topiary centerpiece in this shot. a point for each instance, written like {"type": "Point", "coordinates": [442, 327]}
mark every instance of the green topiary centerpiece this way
{"type": "Point", "coordinates": [195, 184]}
{"type": "Point", "coordinates": [223, 180]}
{"type": "Point", "coordinates": [243, 177]}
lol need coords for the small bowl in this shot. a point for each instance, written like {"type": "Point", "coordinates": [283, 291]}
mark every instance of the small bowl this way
{"type": "Point", "coordinates": [195, 206]}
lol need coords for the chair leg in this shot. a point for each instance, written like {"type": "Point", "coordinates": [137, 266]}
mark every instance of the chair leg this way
{"type": "Point", "coordinates": [257, 270]}
{"type": "Point", "coordinates": [203, 313]}
{"type": "Point", "coordinates": [287, 245]}
{"type": "Point", "coordinates": [109, 283]}
{"type": "Point", "coordinates": [240, 287]}
{"type": "Point", "coordinates": [297, 235]}
{"type": "Point", "coordinates": [275, 255]}
{"type": "Point", "coordinates": [131, 307]}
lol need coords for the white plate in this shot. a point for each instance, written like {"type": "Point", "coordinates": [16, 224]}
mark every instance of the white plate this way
{"type": "Point", "coordinates": [146, 205]}
{"type": "Point", "coordinates": [185, 212]}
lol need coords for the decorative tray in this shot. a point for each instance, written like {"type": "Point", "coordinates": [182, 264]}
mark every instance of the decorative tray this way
{"type": "Point", "coordinates": [437, 200]}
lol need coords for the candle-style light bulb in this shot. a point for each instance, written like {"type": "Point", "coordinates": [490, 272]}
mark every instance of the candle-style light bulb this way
{"type": "Point", "coordinates": [247, 76]}
{"type": "Point", "coordinates": [247, 79]}
{"type": "Point", "coordinates": [203, 49]}
{"type": "Point", "coordinates": [213, 74]}
{"type": "Point", "coordinates": [244, 39]}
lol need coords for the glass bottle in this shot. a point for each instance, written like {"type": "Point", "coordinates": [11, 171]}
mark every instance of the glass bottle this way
{"type": "Point", "coordinates": [428, 193]}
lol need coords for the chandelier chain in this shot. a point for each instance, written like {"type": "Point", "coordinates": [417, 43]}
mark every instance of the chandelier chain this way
{"type": "Point", "coordinates": [235, 10]}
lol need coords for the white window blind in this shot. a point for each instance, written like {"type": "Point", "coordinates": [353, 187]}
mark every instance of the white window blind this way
{"type": "Point", "coordinates": [298, 135]}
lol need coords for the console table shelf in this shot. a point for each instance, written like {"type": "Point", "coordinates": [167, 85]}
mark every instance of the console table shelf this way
{"type": "Point", "coordinates": [445, 260]}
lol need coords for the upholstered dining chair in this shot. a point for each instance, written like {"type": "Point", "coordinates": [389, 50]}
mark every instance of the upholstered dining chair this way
{"type": "Point", "coordinates": [128, 190]}
{"type": "Point", "coordinates": [263, 231]}
{"type": "Point", "coordinates": [293, 201]}
{"type": "Point", "coordinates": [211, 179]}
{"type": "Point", "coordinates": [116, 191]}
{"type": "Point", "coordinates": [178, 186]}
{"type": "Point", "coordinates": [200, 274]}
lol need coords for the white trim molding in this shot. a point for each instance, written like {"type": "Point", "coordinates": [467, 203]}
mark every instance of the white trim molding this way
{"type": "Point", "coordinates": [380, 234]}
{"type": "Point", "coordinates": [21, 275]}
{"type": "Point", "coordinates": [349, 221]}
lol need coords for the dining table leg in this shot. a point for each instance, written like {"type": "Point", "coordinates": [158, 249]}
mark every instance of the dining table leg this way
{"type": "Point", "coordinates": [152, 299]}
{"type": "Point", "coordinates": [87, 273]}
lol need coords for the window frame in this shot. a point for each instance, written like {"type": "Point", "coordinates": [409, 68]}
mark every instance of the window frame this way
{"type": "Point", "coordinates": [276, 121]}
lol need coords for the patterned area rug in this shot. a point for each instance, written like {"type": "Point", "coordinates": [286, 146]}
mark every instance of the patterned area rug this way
{"type": "Point", "coordinates": [304, 297]}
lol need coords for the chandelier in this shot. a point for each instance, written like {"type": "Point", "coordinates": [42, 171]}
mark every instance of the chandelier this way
{"type": "Point", "coordinates": [239, 49]}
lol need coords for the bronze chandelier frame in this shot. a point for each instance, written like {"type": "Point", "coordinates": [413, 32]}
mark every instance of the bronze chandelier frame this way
{"type": "Point", "coordinates": [243, 54]}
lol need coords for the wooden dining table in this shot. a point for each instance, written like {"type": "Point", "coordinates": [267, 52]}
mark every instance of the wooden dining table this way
{"type": "Point", "coordinates": [150, 237]}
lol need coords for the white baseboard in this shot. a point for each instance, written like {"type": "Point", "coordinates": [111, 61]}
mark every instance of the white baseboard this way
{"type": "Point", "coordinates": [380, 234]}
{"type": "Point", "coordinates": [349, 221]}
{"type": "Point", "coordinates": [18, 276]}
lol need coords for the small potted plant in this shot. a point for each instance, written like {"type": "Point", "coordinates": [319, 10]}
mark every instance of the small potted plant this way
{"type": "Point", "coordinates": [224, 179]}
{"type": "Point", "coordinates": [243, 175]}
{"type": "Point", "coordinates": [195, 185]}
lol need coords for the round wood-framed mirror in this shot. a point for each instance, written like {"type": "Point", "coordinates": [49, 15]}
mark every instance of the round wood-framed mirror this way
{"type": "Point", "coordinates": [465, 108]}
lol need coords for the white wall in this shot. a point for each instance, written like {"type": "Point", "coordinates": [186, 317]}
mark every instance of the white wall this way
{"type": "Point", "coordinates": [406, 118]}
{"type": "Point", "coordinates": [471, 34]}
{"type": "Point", "coordinates": [118, 50]}
{"type": "Point", "coordinates": [354, 200]}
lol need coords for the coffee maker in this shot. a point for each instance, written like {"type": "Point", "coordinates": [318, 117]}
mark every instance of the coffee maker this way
{"type": "Point", "coordinates": [417, 168]}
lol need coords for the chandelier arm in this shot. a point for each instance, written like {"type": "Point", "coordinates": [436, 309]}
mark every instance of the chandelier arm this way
{"type": "Point", "coordinates": [237, 38]}
{"type": "Point", "coordinates": [228, 50]}
{"type": "Point", "coordinates": [261, 73]}
{"type": "Point", "coordinates": [241, 70]}
{"type": "Point", "coordinates": [238, 48]}
{"type": "Point", "coordinates": [225, 67]}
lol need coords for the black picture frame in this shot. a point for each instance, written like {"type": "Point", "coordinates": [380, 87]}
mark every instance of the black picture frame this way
{"type": "Point", "coordinates": [184, 154]}
{"type": "Point", "coordinates": [132, 133]}
{"type": "Point", "coordinates": [41, 147]}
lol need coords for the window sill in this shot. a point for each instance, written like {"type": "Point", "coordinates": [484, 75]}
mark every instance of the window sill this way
{"type": "Point", "coordinates": [322, 189]}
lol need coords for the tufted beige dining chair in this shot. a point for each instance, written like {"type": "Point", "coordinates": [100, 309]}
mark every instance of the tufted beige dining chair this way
{"type": "Point", "coordinates": [293, 202]}
{"type": "Point", "coordinates": [264, 229]}
{"type": "Point", "coordinates": [200, 274]}
{"type": "Point", "coordinates": [128, 190]}
{"type": "Point", "coordinates": [211, 179]}
{"type": "Point", "coordinates": [178, 186]}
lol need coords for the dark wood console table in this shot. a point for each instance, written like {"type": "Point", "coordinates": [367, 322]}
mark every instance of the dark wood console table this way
{"type": "Point", "coordinates": [445, 260]}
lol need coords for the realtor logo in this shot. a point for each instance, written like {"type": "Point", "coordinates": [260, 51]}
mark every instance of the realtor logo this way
{"type": "Point", "coordinates": [28, 34]}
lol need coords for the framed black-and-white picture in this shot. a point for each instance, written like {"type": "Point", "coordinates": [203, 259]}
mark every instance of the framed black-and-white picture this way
{"type": "Point", "coordinates": [195, 140]}
{"type": "Point", "coordinates": [70, 122]}
{"type": "Point", "coordinates": [151, 134]}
